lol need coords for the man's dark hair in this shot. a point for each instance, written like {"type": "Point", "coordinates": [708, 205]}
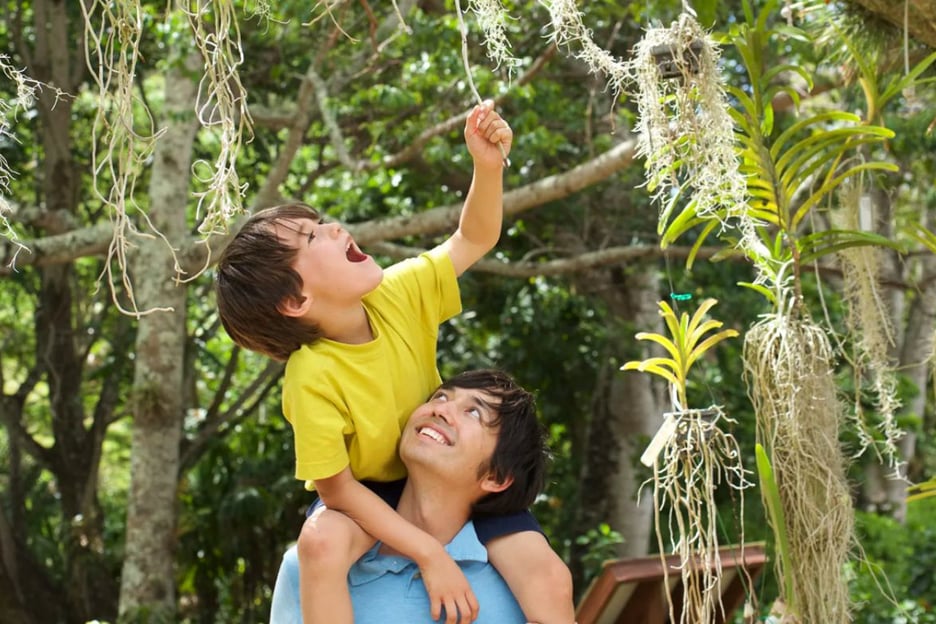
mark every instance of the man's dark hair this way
{"type": "Point", "coordinates": [520, 452]}
{"type": "Point", "coordinates": [254, 276]}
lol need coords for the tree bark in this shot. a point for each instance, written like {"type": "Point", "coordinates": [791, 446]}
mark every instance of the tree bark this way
{"type": "Point", "coordinates": [626, 414]}
{"type": "Point", "coordinates": [148, 579]}
{"type": "Point", "coordinates": [920, 18]}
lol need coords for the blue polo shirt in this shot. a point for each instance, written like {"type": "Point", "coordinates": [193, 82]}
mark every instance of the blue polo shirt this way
{"type": "Point", "coordinates": [388, 588]}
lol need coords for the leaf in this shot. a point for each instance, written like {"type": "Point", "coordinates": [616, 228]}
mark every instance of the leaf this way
{"type": "Point", "coordinates": [819, 244]}
{"type": "Point", "coordinates": [917, 492]}
{"type": "Point", "coordinates": [835, 182]}
{"type": "Point", "coordinates": [771, 495]}
{"type": "Point", "coordinates": [684, 347]}
{"type": "Point", "coordinates": [918, 232]}
{"type": "Point", "coordinates": [763, 290]}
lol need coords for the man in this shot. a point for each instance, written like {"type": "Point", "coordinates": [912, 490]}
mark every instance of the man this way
{"type": "Point", "coordinates": [475, 447]}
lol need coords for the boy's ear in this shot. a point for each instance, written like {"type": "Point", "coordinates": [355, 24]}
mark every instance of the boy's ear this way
{"type": "Point", "coordinates": [492, 485]}
{"type": "Point", "coordinates": [294, 306]}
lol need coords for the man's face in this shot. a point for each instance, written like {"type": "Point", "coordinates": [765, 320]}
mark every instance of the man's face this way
{"type": "Point", "coordinates": [331, 265]}
{"type": "Point", "coordinates": [450, 434]}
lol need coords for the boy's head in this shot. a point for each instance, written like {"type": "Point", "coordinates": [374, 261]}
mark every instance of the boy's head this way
{"type": "Point", "coordinates": [254, 276]}
{"type": "Point", "coordinates": [487, 430]}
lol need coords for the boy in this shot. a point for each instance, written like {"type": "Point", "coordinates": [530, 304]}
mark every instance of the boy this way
{"type": "Point", "coordinates": [360, 349]}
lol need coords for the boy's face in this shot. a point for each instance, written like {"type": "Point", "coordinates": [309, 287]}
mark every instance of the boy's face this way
{"type": "Point", "coordinates": [334, 271]}
{"type": "Point", "coordinates": [449, 436]}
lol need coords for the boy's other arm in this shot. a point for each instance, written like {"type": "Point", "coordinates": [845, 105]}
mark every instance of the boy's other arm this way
{"type": "Point", "coordinates": [445, 582]}
{"type": "Point", "coordinates": [479, 226]}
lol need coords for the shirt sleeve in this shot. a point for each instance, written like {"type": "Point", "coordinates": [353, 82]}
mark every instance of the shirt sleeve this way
{"type": "Point", "coordinates": [428, 285]}
{"type": "Point", "coordinates": [319, 428]}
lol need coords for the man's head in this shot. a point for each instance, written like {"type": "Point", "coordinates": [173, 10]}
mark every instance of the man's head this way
{"type": "Point", "coordinates": [283, 273]}
{"type": "Point", "coordinates": [480, 427]}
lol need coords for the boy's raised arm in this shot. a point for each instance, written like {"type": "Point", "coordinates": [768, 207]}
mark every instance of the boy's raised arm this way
{"type": "Point", "coordinates": [445, 582]}
{"type": "Point", "coordinates": [479, 226]}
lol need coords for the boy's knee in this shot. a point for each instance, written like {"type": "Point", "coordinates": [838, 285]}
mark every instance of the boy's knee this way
{"type": "Point", "coordinates": [325, 541]}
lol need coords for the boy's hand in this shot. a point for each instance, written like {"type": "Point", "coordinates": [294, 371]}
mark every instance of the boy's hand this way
{"type": "Point", "coordinates": [447, 587]}
{"type": "Point", "coordinates": [488, 136]}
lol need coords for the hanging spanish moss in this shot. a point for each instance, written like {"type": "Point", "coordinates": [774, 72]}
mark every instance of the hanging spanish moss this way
{"type": "Point", "coordinates": [27, 90]}
{"type": "Point", "coordinates": [568, 30]}
{"type": "Point", "coordinates": [685, 131]}
{"type": "Point", "coordinates": [124, 133]}
{"type": "Point", "coordinates": [788, 370]}
{"type": "Point", "coordinates": [868, 323]}
{"type": "Point", "coordinates": [697, 459]}
{"type": "Point", "coordinates": [492, 18]}
{"type": "Point", "coordinates": [221, 107]}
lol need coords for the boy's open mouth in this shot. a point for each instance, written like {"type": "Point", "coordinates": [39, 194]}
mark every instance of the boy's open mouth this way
{"type": "Point", "coordinates": [354, 254]}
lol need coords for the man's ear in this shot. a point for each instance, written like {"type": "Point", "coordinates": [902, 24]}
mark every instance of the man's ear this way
{"type": "Point", "coordinates": [491, 485]}
{"type": "Point", "coordinates": [294, 306]}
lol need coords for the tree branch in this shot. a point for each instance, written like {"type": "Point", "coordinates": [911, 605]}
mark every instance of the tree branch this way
{"type": "Point", "coordinates": [258, 389]}
{"type": "Point", "coordinates": [552, 188]}
{"type": "Point", "coordinates": [560, 266]}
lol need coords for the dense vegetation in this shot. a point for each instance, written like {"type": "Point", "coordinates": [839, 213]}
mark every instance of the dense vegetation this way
{"type": "Point", "coordinates": [146, 466]}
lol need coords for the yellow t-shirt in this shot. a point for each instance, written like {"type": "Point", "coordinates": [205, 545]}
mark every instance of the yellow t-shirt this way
{"type": "Point", "coordinates": [348, 403]}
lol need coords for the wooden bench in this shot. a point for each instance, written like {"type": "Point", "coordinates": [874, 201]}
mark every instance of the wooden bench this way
{"type": "Point", "coordinates": [631, 591]}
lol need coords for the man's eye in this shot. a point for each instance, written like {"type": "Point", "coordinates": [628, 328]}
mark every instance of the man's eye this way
{"type": "Point", "coordinates": [311, 235]}
{"type": "Point", "coordinates": [475, 413]}
{"type": "Point", "coordinates": [439, 396]}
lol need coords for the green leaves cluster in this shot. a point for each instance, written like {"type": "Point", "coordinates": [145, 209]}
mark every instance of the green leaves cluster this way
{"type": "Point", "coordinates": [688, 344]}
{"type": "Point", "coordinates": [791, 171]}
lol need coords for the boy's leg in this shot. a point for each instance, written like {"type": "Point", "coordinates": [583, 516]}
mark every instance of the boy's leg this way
{"type": "Point", "coordinates": [538, 578]}
{"type": "Point", "coordinates": [329, 543]}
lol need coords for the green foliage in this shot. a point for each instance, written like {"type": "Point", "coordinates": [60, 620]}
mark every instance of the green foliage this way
{"type": "Point", "coordinates": [600, 543]}
{"type": "Point", "coordinates": [686, 346]}
{"type": "Point", "coordinates": [241, 507]}
{"type": "Point", "coordinates": [771, 497]}
{"type": "Point", "coordinates": [790, 172]}
{"type": "Point", "coordinates": [239, 504]}
{"type": "Point", "coordinates": [894, 581]}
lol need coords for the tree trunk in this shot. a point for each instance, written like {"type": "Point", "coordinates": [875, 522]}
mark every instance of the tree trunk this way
{"type": "Point", "coordinates": [626, 414]}
{"type": "Point", "coordinates": [913, 322]}
{"type": "Point", "coordinates": [148, 581]}
{"type": "Point", "coordinates": [87, 587]}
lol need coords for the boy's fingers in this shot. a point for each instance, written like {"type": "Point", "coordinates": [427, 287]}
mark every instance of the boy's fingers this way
{"type": "Point", "coordinates": [465, 611]}
{"type": "Point", "coordinates": [451, 612]}
{"type": "Point", "coordinates": [498, 131]}
{"type": "Point", "coordinates": [473, 605]}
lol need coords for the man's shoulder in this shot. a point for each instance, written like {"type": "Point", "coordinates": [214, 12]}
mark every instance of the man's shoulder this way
{"type": "Point", "coordinates": [383, 583]}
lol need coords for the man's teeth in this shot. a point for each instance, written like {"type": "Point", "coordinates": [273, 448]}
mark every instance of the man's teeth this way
{"type": "Point", "coordinates": [435, 435]}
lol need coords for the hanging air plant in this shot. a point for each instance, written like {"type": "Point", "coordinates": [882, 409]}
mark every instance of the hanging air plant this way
{"type": "Point", "coordinates": [868, 321]}
{"type": "Point", "coordinates": [789, 374]}
{"type": "Point", "coordinates": [685, 131]}
{"type": "Point", "coordinates": [691, 456]}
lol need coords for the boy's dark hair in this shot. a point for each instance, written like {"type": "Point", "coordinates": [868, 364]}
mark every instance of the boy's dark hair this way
{"type": "Point", "coordinates": [520, 452]}
{"type": "Point", "coordinates": [254, 276]}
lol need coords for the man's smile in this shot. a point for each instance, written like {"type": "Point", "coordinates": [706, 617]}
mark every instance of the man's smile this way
{"type": "Point", "coordinates": [433, 434]}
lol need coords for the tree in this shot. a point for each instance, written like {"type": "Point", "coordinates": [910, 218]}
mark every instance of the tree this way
{"type": "Point", "coordinates": [71, 241]}
{"type": "Point", "coordinates": [367, 128]}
